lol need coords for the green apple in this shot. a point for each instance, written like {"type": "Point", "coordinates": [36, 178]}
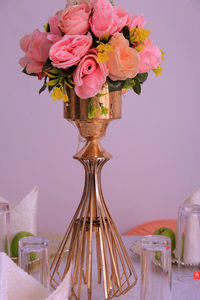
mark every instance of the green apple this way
{"type": "Point", "coordinates": [165, 231]}
{"type": "Point", "coordinates": [15, 242]}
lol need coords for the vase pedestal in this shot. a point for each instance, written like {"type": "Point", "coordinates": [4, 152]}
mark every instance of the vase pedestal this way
{"type": "Point", "coordinates": [92, 227]}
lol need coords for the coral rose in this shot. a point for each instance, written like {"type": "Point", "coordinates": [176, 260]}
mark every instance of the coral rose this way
{"type": "Point", "coordinates": [123, 61]}
{"type": "Point", "coordinates": [69, 50]}
{"type": "Point", "coordinates": [89, 76]}
{"type": "Point", "coordinates": [75, 19]}
{"type": "Point", "coordinates": [136, 21]}
{"type": "Point", "coordinates": [36, 46]}
{"type": "Point", "coordinates": [150, 57]}
{"type": "Point", "coordinates": [101, 21]}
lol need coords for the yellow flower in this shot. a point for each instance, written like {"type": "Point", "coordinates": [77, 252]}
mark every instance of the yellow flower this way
{"type": "Point", "coordinates": [46, 27]}
{"type": "Point", "coordinates": [58, 94]}
{"type": "Point", "coordinates": [138, 37]}
{"type": "Point", "coordinates": [65, 97]}
{"type": "Point", "coordinates": [103, 50]}
{"type": "Point", "coordinates": [158, 70]}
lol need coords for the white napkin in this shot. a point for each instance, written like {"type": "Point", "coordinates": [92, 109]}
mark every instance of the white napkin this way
{"type": "Point", "coordinates": [23, 217]}
{"type": "Point", "coordinates": [191, 254]}
{"type": "Point", "coordinates": [194, 198]}
{"type": "Point", "coordinates": [15, 284]}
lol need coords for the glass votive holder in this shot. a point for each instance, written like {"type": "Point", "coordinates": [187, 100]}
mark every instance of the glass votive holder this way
{"type": "Point", "coordinates": [4, 228]}
{"type": "Point", "coordinates": [33, 258]}
{"type": "Point", "coordinates": [188, 241]}
{"type": "Point", "coordinates": [156, 276]}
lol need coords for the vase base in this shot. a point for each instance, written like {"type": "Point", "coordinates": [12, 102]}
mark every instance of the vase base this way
{"type": "Point", "coordinates": [92, 232]}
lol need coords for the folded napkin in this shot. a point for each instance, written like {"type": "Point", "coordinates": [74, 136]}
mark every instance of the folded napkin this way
{"type": "Point", "coordinates": [191, 254]}
{"type": "Point", "coordinates": [23, 216]}
{"type": "Point", "coordinates": [15, 284]}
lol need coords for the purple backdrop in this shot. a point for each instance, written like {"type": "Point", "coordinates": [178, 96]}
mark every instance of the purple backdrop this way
{"type": "Point", "coordinates": [155, 146]}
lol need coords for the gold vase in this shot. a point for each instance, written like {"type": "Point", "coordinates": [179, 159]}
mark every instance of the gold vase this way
{"type": "Point", "coordinates": [92, 228]}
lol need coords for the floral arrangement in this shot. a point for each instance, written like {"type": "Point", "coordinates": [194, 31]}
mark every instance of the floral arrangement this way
{"type": "Point", "coordinates": [87, 44]}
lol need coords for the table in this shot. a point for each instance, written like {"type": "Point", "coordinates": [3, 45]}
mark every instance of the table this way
{"type": "Point", "coordinates": [180, 290]}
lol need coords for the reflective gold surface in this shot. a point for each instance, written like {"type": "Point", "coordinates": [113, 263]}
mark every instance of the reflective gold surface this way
{"type": "Point", "coordinates": [77, 109]}
{"type": "Point", "coordinates": [92, 229]}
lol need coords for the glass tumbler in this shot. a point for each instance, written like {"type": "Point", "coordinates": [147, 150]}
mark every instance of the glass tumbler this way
{"type": "Point", "coordinates": [4, 228]}
{"type": "Point", "coordinates": [188, 241]}
{"type": "Point", "coordinates": [33, 258]}
{"type": "Point", "coordinates": [155, 268]}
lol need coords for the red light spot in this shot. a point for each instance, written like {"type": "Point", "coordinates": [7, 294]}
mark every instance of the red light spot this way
{"type": "Point", "coordinates": [196, 275]}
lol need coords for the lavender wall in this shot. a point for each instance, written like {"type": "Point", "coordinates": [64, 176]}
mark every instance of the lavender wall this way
{"type": "Point", "coordinates": [156, 145]}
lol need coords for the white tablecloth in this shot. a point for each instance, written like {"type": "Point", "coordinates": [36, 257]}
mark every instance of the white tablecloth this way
{"type": "Point", "coordinates": [180, 290]}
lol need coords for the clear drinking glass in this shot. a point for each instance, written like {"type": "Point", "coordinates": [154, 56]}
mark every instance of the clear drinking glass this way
{"type": "Point", "coordinates": [155, 268]}
{"type": "Point", "coordinates": [4, 228]}
{"type": "Point", "coordinates": [33, 258]}
{"type": "Point", "coordinates": [188, 242]}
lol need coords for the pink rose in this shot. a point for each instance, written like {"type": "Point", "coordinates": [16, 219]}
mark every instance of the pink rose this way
{"type": "Point", "coordinates": [150, 57]}
{"type": "Point", "coordinates": [53, 24]}
{"type": "Point", "coordinates": [123, 61]}
{"type": "Point", "coordinates": [89, 76]}
{"type": "Point", "coordinates": [75, 19]}
{"type": "Point", "coordinates": [136, 21]}
{"type": "Point", "coordinates": [36, 46]}
{"type": "Point", "coordinates": [120, 19]}
{"type": "Point", "coordinates": [101, 21]}
{"type": "Point", "coordinates": [69, 50]}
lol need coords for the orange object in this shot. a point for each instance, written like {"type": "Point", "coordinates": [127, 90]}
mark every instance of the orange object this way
{"type": "Point", "coordinates": [150, 227]}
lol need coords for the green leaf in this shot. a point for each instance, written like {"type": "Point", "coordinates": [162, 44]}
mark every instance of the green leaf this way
{"type": "Point", "coordinates": [100, 95]}
{"type": "Point", "coordinates": [90, 115]}
{"type": "Point", "coordinates": [31, 74]}
{"type": "Point", "coordinates": [137, 86]}
{"type": "Point", "coordinates": [126, 32]}
{"type": "Point", "coordinates": [50, 88]}
{"type": "Point", "coordinates": [67, 83]}
{"type": "Point", "coordinates": [44, 86]}
{"type": "Point", "coordinates": [47, 65]}
{"type": "Point", "coordinates": [142, 77]}
{"type": "Point", "coordinates": [115, 85]}
{"type": "Point", "coordinates": [52, 82]}
{"type": "Point", "coordinates": [68, 72]}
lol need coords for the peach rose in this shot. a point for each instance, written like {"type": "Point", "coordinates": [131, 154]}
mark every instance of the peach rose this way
{"type": "Point", "coordinates": [89, 76]}
{"type": "Point", "coordinates": [36, 46]}
{"type": "Point", "coordinates": [75, 19]}
{"type": "Point", "coordinates": [123, 61]}
{"type": "Point", "coordinates": [69, 50]}
{"type": "Point", "coordinates": [101, 21]}
{"type": "Point", "coordinates": [136, 21]}
{"type": "Point", "coordinates": [150, 57]}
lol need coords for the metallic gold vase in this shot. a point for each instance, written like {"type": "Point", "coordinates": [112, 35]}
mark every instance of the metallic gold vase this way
{"type": "Point", "coordinates": [92, 230]}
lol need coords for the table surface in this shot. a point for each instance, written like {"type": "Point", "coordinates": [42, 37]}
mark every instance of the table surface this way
{"type": "Point", "coordinates": [187, 290]}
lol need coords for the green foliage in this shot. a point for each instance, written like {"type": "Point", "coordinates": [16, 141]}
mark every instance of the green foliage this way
{"type": "Point", "coordinates": [104, 110]}
{"type": "Point", "coordinates": [137, 86]}
{"type": "Point", "coordinates": [142, 77]}
{"type": "Point", "coordinates": [95, 106]}
{"type": "Point", "coordinates": [126, 33]}
{"type": "Point", "coordinates": [31, 74]}
{"type": "Point", "coordinates": [47, 65]}
{"type": "Point", "coordinates": [139, 79]}
{"type": "Point", "coordinates": [115, 85]}
{"type": "Point", "coordinates": [44, 85]}
{"type": "Point", "coordinates": [56, 77]}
